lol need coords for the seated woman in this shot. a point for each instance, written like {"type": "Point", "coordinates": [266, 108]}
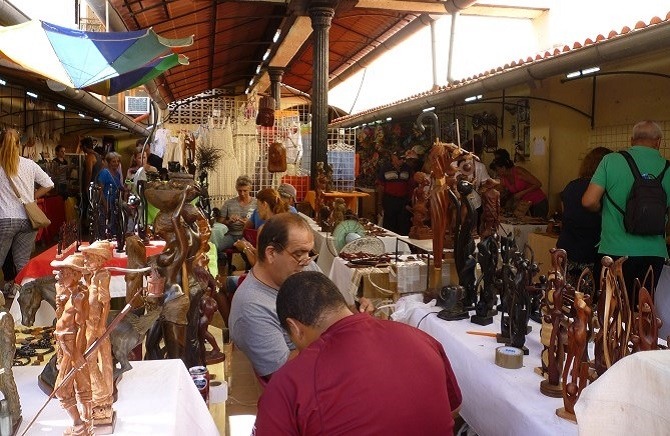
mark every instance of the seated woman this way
{"type": "Point", "coordinates": [272, 202]}
{"type": "Point", "coordinates": [520, 184]}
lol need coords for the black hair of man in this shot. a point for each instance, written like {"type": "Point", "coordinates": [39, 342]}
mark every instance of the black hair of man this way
{"type": "Point", "coordinates": [59, 147]}
{"type": "Point", "coordinates": [87, 143]}
{"type": "Point", "coordinates": [307, 297]}
{"type": "Point", "coordinates": [275, 231]}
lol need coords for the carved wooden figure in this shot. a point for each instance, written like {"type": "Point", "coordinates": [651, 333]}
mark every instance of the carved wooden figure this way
{"type": "Point", "coordinates": [464, 248]}
{"type": "Point", "coordinates": [101, 365]}
{"type": "Point", "coordinates": [646, 323]}
{"type": "Point", "coordinates": [490, 220]}
{"type": "Point", "coordinates": [419, 207]}
{"type": "Point", "coordinates": [7, 383]}
{"type": "Point", "coordinates": [72, 312]}
{"type": "Point", "coordinates": [553, 353]}
{"type": "Point", "coordinates": [487, 257]}
{"type": "Point", "coordinates": [576, 369]}
{"type": "Point", "coordinates": [519, 306]}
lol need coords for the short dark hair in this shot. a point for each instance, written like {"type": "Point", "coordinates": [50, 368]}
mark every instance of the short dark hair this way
{"type": "Point", "coordinates": [307, 296]}
{"type": "Point", "coordinates": [87, 142]}
{"type": "Point", "coordinates": [500, 162]}
{"type": "Point", "coordinates": [275, 231]}
{"type": "Point", "coordinates": [59, 147]}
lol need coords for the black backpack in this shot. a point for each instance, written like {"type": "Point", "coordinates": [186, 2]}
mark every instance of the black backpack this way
{"type": "Point", "coordinates": [647, 202]}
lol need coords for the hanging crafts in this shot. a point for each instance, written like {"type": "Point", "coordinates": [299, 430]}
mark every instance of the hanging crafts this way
{"type": "Point", "coordinates": [277, 158]}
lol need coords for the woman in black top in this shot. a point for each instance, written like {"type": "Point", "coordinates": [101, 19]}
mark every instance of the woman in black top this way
{"type": "Point", "coordinates": [580, 229]}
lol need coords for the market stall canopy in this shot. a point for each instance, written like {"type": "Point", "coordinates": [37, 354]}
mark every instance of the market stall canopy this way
{"type": "Point", "coordinates": [78, 58]}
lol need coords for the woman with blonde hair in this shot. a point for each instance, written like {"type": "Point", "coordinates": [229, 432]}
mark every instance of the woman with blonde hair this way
{"type": "Point", "coordinates": [16, 232]}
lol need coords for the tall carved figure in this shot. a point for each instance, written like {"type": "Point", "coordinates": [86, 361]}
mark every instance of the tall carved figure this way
{"type": "Point", "coordinates": [576, 369]}
{"type": "Point", "coordinates": [7, 383]}
{"type": "Point", "coordinates": [100, 363]}
{"type": "Point", "coordinates": [72, 311]}
{"type": "Point", "coordinates": [439, 203]}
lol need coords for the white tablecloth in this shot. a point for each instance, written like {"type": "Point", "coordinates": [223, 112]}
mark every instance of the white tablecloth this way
{"type": "Point", "coordinates": [155, 398]}
{"type": "Point", "coordinates": [496, 401]}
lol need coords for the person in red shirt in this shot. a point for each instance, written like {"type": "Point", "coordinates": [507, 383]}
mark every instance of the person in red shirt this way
{"type": "Point", "coordinates": [394, 189]}
{"type": "Point", "coordinates": [355, 374]}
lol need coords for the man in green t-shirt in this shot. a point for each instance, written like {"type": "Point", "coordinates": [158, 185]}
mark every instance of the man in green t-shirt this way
{"type": "Point", "coordinates": [614, 176]}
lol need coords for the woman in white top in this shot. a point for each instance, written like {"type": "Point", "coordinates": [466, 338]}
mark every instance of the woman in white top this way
{"type": "Point", "coordinates": [16, 232]}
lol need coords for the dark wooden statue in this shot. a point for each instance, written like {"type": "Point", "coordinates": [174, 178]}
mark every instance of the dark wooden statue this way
{"type": "Point", "coordinates": [465, 245]}
{"type": "Point", "coordinates": [7, 383]}
{"type": "Point", "coordinates": [576, 370]}
{"type": "Point", "coordinates": [520, 306]}
{"type": "Point", "coordinates": [487, 257]}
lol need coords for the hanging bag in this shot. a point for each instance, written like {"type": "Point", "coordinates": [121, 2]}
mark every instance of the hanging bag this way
{"type": "Point", "coordinates": [37, 218]}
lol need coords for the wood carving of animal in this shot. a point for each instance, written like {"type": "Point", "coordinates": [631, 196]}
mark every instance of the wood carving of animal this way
{"type": "Point", "coordinates": [31, 296]}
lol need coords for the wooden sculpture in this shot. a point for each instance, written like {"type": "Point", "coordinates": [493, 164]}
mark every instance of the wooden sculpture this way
{"type": "Point", "coordinates": [439, 202]}
{"type": "Point", "coordinates": [7, 383]}
{"type": "Point", "coordinates": [170, 197]}
{"type": "Point", "coordinates": [646, 323]}
{"type": "Point", "coordinates": [508, 254]}
{"type": "Point", "coordinates": [519, 306]}
{"type": "Point", "coordinates": [137, 258]}
{"type": "Point", "coordinates": [576, 368]}
{"type": "Point", "coordinates": [72, 302]}
{"type": "Point", "coordinates": [487, 257]}
{"type": "Point", "coordinates": [338, 212]}
{"type": "Point", "coordinates": [553, 353]}
{"type": "Point", "coordinates": [490, 220]}
{"type": "Point", "coordinates": [206, 308]}
{"type": "Point", "coordinates": [100, 363]}
{"type": "Point", "coordinates": [419, 208]}
{"type": "Point", "coordinates": [320, 186]}
{"type": "Point", "coordinates": [464, 248]}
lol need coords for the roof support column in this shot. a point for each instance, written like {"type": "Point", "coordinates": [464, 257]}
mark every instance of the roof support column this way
{"type": "Point", "coordinates": [321, 17]}
{"type": "Point", "coordinates": [276, 76]}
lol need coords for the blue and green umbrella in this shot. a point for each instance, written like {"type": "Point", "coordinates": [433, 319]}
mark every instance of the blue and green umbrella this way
{"type": "Point", "coordinates": [81, 59]}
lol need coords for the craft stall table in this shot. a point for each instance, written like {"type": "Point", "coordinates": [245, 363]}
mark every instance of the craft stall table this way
{"type": "Point", "coordinates": [496, 401]}
{"type": "Point", "coordinates": [40, 266]}
{"type": "Point", "coordinates": [156, 397]}
{"type": "Point", "coordinates": [327, 255]}
{"type": "Point", "coordinates": [350, 198]}
{"type": "Point", "coordinates": [520, 231]}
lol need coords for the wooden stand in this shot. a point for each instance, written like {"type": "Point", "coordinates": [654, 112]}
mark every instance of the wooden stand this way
{"type": "Point", "coordinates": [107, 428]}
{"type": "Point", "coordinates": [566, 415]}
{"type": "Point", "coordinates": [554, 391]}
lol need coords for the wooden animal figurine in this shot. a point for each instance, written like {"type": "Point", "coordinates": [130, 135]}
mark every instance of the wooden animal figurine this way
{"type": "Point", "coordinates": [490, 220]}
{"type": "Point", "coordinates": [31, 296]}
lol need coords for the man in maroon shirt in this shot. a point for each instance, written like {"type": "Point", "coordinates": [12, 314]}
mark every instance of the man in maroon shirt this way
{"type": "Point", "coordinates": [355, 374]}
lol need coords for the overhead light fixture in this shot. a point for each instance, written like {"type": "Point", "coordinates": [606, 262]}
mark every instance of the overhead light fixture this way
{"type": "Point", "coordinates": [246, 91]}
{"type": "Point", "coordinates": [258, 69]}
{"type": "Point", "coordinates": [277, 35]}
{"type": "Point", "coordinates": [266, 55]}
{"type": "Point", "coordinates": [2, 82]}
{"type": "Point", "coordinates": [251, 82]}
{"type": "Point", "coordinates": [428, 109]}
{"type": "Point", "coordinates": [82, 115]}
{"type": "Point", "coordinates": [474, 97]}
{"type": "Point", "coordinates": [96, 120]}
{"type": "Point", "coordinates": [389, 119]}
{"type": "Point", "coordinates": [584, 72]}
{"type": "Point", "coordinates": [60, 106]}
{"type": "Point", "coordinates": [590, 70]}
{"type": "Point", "coordinates": [31, 94]}
{"type": "Point", "coordinates": [364, 124]}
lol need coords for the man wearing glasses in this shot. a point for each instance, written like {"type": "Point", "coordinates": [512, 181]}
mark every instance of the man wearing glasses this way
{"type": "Point", "coordinates": [284, 247]}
